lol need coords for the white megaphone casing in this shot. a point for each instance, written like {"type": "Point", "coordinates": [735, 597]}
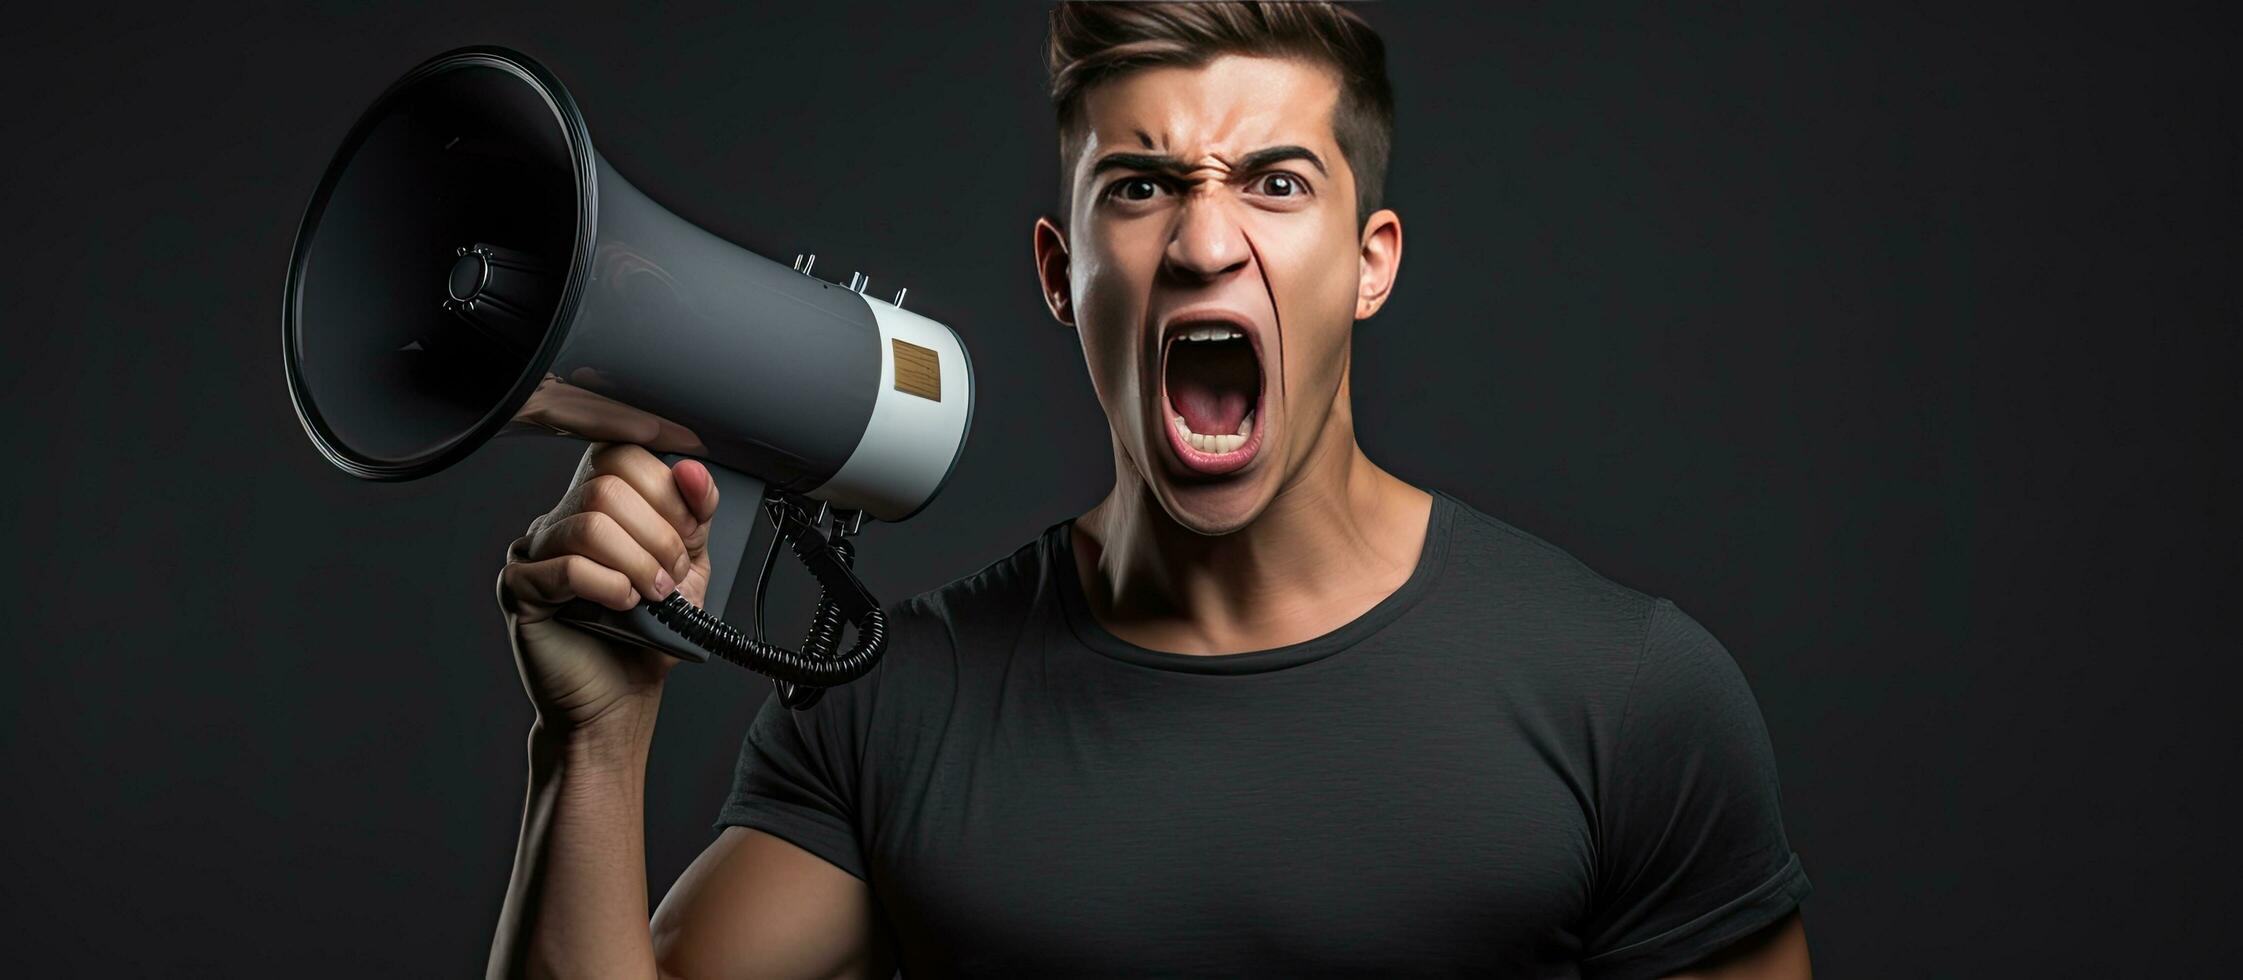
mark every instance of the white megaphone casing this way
{"type": "Point", "coordinates": [469, 263]}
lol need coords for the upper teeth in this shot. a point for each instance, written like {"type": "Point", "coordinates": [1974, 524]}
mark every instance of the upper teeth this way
{"type": "Point", "coordinates": [1211, 333]}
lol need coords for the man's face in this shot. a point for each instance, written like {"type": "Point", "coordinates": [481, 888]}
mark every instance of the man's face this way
{"type": "Point", "coordinates": [1214, 272]}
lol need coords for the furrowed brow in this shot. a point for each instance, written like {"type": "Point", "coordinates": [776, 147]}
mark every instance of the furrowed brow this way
{"type": "Point", "coordinates": [1278, 154]}
{"type": "Point", "coordinates": [1173, 166]}
{"type": "Point", "coordinates": [1157, 162]}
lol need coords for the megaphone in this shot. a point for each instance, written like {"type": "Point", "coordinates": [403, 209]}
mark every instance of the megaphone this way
{"type": "Point", "coordinates": [469, 264]}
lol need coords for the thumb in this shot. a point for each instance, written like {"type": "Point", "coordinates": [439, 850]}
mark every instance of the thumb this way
{"type": "Point", "coordinates": [699, 488]}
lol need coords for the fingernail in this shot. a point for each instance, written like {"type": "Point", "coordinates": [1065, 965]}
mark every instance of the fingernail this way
{"type": "Point", "coordinates": [663, 585]}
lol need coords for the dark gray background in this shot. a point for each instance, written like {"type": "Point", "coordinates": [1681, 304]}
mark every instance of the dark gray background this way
{"type": "Point", "coordinates": [1897, 346]}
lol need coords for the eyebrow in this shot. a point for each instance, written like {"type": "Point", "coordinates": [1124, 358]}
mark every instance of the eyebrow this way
{"type": "Point", "coordinates": [1175, 166]}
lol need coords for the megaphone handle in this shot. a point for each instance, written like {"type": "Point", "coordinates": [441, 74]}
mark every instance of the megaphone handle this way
{"type": "Point", "coordinates": [740, 503]}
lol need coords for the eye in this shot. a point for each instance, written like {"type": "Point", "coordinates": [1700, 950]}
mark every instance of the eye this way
{"type": "Point", "coordinates": [1133, 189]}
{"type": "Point", "coordinates": [1282, 184]}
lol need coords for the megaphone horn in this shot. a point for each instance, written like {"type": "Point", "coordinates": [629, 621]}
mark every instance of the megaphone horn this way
{"type": "Point", "coordinates": [469, 264]}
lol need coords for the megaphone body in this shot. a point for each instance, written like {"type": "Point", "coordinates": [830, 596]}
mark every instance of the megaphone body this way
{"type": "Point", "coordinates": [470, 264]}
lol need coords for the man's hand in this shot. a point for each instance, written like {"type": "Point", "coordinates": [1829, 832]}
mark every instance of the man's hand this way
{"type": "Point", "coordinates": [628, 528]}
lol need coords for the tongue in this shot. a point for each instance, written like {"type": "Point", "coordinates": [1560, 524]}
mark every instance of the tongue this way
{"type": "Point", "coordinates": [1212, 385]}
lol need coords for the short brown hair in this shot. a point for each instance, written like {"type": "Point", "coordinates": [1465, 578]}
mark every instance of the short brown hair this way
{"type": "Point", "coordinates": [1094, 42]}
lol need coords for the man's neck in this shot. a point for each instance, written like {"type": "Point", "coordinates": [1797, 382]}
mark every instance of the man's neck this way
{"type": "Point", "coordinates": [1334, 541]}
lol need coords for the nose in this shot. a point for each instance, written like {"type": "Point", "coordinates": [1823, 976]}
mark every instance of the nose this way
{"type": "Point", "coordinates": [1207, 242]}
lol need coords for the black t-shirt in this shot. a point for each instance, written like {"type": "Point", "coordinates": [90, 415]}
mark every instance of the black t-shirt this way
{"type": "Point", "coordinates": [1509, 766]}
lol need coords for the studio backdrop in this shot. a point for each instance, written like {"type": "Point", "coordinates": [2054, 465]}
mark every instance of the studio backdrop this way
{"type": "Point", "coordinates": [1895, 342]}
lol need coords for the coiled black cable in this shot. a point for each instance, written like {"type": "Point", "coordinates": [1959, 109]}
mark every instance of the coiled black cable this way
{"type": "Point", "coordinates": [841, 598]}
{"type": "Point", "coordinates": [824, 635]}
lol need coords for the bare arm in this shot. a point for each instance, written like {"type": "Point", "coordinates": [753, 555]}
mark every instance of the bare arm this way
{"type": "Point", "coordinates": [754, 905]}
{"type": "Point", "coordinates": [1778, 952]}
{"type": "Point", "coordinates": [751, 905]}
{"type": "Point", "coordinates": [576, 905]}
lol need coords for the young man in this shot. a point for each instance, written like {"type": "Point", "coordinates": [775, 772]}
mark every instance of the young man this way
{"type": "Point", "coordinates": [1265, 710]}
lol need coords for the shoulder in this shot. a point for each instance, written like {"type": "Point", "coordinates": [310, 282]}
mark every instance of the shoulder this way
{"type": "Point", "coordinates": [1685, 680]}
{"type": "Point", "coordinates": [929, 633]}
{"type": "Point", "coordinates": [1522, 587]}
{"type": "Point", "coordinates": [982, 610]}
{"type": "Point", "coordinates": [1628, 649]}
{"type": "Point", "coordinates": [1485, 546]}
{"type": "Point", "coordinates": [997, 592]}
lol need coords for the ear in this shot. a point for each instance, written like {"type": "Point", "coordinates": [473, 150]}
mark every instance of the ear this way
{"type": "Point", "coordinates": [1051, 270]}
{"type": "Point", "coordinates": [1381, 251]}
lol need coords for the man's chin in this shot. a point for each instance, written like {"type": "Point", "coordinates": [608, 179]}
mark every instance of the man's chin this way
{"type": "Point", "coordinates": [1214, 507]}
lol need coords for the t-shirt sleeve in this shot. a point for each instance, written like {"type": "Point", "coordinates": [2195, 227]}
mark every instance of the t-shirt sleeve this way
{"type": "Point", "coordinates": [1692, 854]}
{"type": "Point", "coordinates": [797, 777]}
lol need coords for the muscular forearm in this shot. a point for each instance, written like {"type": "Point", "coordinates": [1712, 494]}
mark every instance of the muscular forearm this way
{"type": "Point", "coordinates": [577, 905]}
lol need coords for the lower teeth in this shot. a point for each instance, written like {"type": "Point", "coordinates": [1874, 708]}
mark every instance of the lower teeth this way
{"type": "Point", "coordinates": [1215, 444]}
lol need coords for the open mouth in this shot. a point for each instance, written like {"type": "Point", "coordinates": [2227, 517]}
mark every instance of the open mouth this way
{"type": "Point", "coordinates": [1211, 388]}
